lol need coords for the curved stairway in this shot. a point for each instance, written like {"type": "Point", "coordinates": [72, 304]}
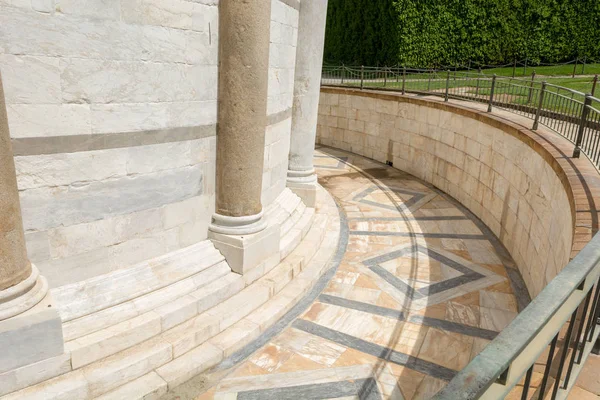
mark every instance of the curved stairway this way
{"type": "Point", "coordinates": [137, 332]}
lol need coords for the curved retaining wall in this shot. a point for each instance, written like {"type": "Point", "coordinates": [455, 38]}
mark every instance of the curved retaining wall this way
{"type": "Point", "coordinates": [503, 175]}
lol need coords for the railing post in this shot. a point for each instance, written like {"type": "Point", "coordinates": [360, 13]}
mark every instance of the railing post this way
{"type": "Point", "coordinates": [531, 87]}
{"type": "Point", "coordinates": [362, 77]}
{"type": "Point", "coordinates": [582, 124]}
{"type": "Point", "coordinates": [384, 76]}
{"type": "Point", "coordinates": [525, 67]}
{"type": "Point", "coordinates": [514, 66]}
{"type": "Point", "coordinates": [536, 121]}
{"type": "Point", "coordinates": [492, 93]}
{"type": "Point", "coordinates": [403, 79]}
{"type": "Point", "coordinates": [583, 65]}
{"type": "Point", "coordinates": [343, 73]}
{"type": "Point", "coordinates": [575, 68]}
{"type": "Point", "coordinates": [477, 88]}
{"type": "Point", "coordinates": [397, 75]}
{"type": "Point", "coordinates": [447, 85]}
{"type": "Point", "coordinates": [594, 82]}
{"type": "Point", "coordinates": [429, 80]}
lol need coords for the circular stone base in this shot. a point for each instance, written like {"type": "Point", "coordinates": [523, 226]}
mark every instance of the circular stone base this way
{"type": "Point", "coordinates": [245, 225]}
{"type": "Point", "coordinates": [23, 296]}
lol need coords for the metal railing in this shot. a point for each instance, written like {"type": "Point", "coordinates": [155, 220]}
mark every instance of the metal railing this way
{"type": "Point", "coordinates": [559, 328]}
{"type": "Point", "coordinates": [570, 113]}
{"type": "Point", "coordinates": [562, 321]}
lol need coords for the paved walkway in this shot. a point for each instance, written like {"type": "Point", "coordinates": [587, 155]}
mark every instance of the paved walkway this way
{"type": "Point", "coordinates": [422, 287]}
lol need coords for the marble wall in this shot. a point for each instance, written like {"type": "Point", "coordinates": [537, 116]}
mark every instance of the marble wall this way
{"type": "Point", "coordinates": [112, 109]}
{"type": "Point", "coordinates": [282, 61]}
{"type": "Point", "coordinates": [495, 170]}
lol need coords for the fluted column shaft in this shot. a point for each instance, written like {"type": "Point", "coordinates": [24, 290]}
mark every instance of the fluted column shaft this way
{"type": "Point", "coordinates": [307, 83]}
{"type": "Point", "coordinates": [244, 28]}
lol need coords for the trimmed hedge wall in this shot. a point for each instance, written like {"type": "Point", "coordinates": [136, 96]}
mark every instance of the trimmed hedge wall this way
{"type": "Point", "coordinates": [431, 33]}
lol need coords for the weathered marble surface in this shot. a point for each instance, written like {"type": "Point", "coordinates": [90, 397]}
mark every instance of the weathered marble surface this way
{"type": "Point", "coordinates": [501, 175]}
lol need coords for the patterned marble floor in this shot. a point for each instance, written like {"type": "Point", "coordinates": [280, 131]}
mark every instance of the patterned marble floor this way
{"type": "Point", "coordinates": [422, 287]}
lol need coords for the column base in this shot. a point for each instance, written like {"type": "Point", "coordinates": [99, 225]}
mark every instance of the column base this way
{"type": "Point", "coordinates": [304, 185]}
{"type": "Point", "coordinates": [247, 252]}
{"type": "Point", "coordinates": [19, 298]}
{"type": "Point", "coordinates": [246, 225]}
{"type": "Point", "coordinates": [31, 337]}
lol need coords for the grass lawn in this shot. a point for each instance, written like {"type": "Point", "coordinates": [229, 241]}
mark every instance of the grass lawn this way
{"type": "Point", "coordinates": [552, 70]}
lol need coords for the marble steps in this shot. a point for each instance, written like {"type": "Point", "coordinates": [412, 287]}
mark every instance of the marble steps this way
{"type": "Point", "coordinates": [287, 283]}
{"type": "Point", "coordinates": [198, 333]}
{"type": "Point", "coordinates": [105, 291]}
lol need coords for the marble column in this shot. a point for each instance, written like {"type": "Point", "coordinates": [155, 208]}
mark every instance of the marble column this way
{"type": "Point", "coordinates": [301, 177]}
{"type": "Point", "coordinates": [21, 286]}
{"type": "Point", "coordinates": [244, 28]}
{"type": "Point", "coordinates": [238, 227]}
{"type": "Point", "coordinates": [30, 327]}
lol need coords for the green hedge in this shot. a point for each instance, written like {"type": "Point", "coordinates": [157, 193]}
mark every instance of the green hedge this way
{"type": "Point", "coordinates": [431, 33]}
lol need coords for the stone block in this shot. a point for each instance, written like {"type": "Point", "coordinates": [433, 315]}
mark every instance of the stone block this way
{"type": "Point", "coordinates": [30, 79]}
{"type": "Point", "coordinates": [248, 251]}
{"type": "Point", "coordinates": [32, 374]}
{"type": "Point", "coordinates": [46, 208]}
{"type": "Point", "coordinates": [111, 340]}
{"type": "Point", "coordinates": [37, 120]}
{"type": "Point", "coordinates": [190, 364]}
{"type": "Point", "coordinates": [236, 336]}
{"type": "Point", "coordinates": [126, 366]}
{"type": "Point", "coordinates": [30, 337]}
{"type": "Point", "coordinates": [148, 387]}
{"type": "Point", "coordinates": [71, 386]}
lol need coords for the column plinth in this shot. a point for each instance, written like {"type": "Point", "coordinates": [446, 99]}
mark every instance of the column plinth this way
{"type": "Point", "coordinates": [301, 177]}
{"type": "Point", "coordinates": [238, 228]}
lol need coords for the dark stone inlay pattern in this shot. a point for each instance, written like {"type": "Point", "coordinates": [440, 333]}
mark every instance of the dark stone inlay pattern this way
{"type": "Point", "coordinates": [114, 140]}
{"type": "Point", "coordinates": [453, 327]}
{"type": "Point", "coordinates": [405, 205]}
{"type": "Point", "coordinates": [384, 353]}
{"type": "Point", "coordinates": [366, 389]}
{"type": "Point", "coordinates": [278, 117]}
{"type": "Point", "coordinates": [423, 235]}
{"type": "Point", "coordinates": [297, 309]}
{"type": "Point", "coordinates": [468, 274]}
{"type": "Point", "coordinates": [342, 161]}
{"type": "Point", "coordinates": [396, 282]}
{"type": "Point", "coordinates": [412, 218]}
{"type": "Point", "coordinates": [360, 306]}
{"type": "Point", "coordinates": [102, 141]}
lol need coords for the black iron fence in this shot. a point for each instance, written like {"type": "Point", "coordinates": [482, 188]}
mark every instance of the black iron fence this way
{"type": "Point", "coordinates": [572, 114]}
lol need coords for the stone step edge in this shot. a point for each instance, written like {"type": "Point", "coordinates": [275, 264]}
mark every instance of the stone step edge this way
{"type": "Point", "coordinates": [243, 332]}
{"type": "Point", "coordinates": [133, 308]}
{"type": "Point", "coordinates": [101, 344]}
{"type": "Point", "coordinates": [105, 342]}
{"type": "Point", "coordinates": [72, 303]}
{"type": "Point", "coordinates": [59, 380]}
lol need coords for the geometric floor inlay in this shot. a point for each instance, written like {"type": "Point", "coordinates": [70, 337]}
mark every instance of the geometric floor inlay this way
{"type": "Point", "coordinates": [420, 290]}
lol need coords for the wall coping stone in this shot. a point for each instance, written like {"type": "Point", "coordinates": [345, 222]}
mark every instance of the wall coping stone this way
{"type": "Point", "coordinates": [580, 179]}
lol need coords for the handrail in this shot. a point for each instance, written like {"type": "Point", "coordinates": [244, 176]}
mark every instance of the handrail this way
{"type": "Point", "coordinates": [502, 364]}
{"type": "Point", "coordinates": [566, 111]}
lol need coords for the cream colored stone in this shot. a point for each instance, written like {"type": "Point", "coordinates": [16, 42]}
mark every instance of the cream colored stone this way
{"type": "Point", "coordinates": [101, 344]}
{"type": "Point", "coordinates": [190, 364]}
{"type": "Point", "coordinates": [148, 387]}
{"type": "Point", "coordinates": [124, 367]}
